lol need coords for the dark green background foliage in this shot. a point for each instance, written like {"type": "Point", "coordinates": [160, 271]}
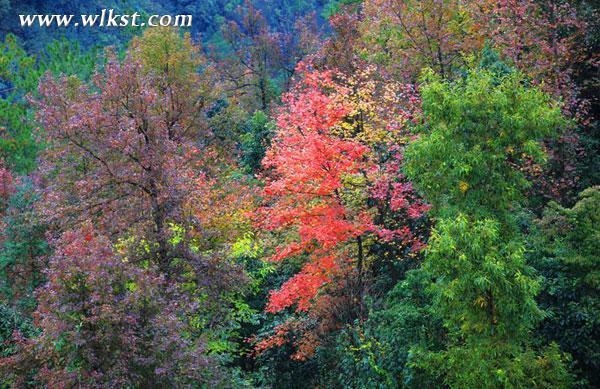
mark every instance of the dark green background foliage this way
{"type": "Point", "coordinates": [566, 253]}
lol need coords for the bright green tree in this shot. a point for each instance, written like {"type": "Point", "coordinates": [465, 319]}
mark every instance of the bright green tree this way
{"type": "Point", "coordinates": [485, 293]}
{"type": "Point", "coordinates": [480, 133]}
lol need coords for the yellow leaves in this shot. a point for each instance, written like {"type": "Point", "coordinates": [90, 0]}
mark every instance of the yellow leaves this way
{"type": "Point", "coordinates": [481, 302]}
{"type": "Point", "coordinates": [131, 286]}
{"type": "Point", "coordinates": [246, 246]}
{"type": "Point", "coordinates": [377, 107]}
{"type": "Point", "coordinates": [463, 186]}
{"type": "Point", "coordinates": [347, 126]}
{"type": "Point", "coordinates": [163, 51]}
{"type": "Point", "coordinates": [72, 87]}
{"type": "Point", "coordinates": [177, 234]}
{"type": "Point", "coordinates": [125, 243]}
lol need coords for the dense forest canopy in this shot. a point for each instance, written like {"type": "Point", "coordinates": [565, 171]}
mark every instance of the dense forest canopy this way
{"type": "Point", "coordinates": [301, 194]}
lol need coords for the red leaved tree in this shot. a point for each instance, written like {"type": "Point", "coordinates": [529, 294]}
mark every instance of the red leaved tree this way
{"type": "Point", "coordinates": [323, 179]}
{"type": "Point", "coordinates": [308, 168]}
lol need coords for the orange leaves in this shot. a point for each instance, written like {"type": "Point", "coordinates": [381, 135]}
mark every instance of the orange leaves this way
{"type": "Point", "coordinates": [308, 166]}
{"type": "Point", "coordinates": [321, 227]}
{"type": "Point", "coordinates": [302, 287]}
{"type": "Point", "coordinates": [308, 106]}
{"type": "Point", "coordinates": [277, 340]}
{"type": "Point", "coordinates": [314, 161]}
{"type": "Point", "coordinates": [306, 344]}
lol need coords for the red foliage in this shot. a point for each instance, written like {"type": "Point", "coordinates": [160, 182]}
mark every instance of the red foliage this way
{"type": "Point", "coordinates": [394, 194]}
{"type": "Point", "coordinates": [126, 153]}
{"type": "Point", "coordinates": [543, 40]}
{"type": "Point", "coordinates": [302, 287]}
{"type": "Point", "coordinates": [546, 42]}
{"type": "Point", "coordinates": [308, 166]}
{"type": "Point", "coordinates": [319, 180]}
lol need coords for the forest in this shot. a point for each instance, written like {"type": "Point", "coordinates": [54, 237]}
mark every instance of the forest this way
{"type": "Point", "coordinates": [302, 194]}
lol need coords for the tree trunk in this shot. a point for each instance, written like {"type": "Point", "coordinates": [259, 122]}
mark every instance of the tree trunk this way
{"type": "Point", "coordinates": [159, 231]}
{"type": "Point", "coordinates": [360, 266]}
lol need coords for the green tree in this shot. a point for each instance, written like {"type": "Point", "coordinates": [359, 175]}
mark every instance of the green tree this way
{"type": "Point", "coordinates": [377, 352]}
{"type": "Point", "coordinates": [485, 292]}
{"type": "Point", "coordinates": [480, 133]}
{"type": "Point", "coordinates": [255, 140]}
{"type": "Point", "coordinates": [483, 288]}
{"type": "Point", "coordinates": [22, 248]}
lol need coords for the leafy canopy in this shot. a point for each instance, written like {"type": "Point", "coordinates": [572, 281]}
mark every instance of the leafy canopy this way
{"type": "Point", "coordinates": [478, 133]}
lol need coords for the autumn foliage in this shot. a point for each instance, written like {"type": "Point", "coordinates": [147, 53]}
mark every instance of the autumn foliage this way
{"type": "Point", "coordinates": [109, 318]}
{"type": "Point", "coordinates": [321, 172]}
{"type": "Point", "coordinates": [340, 193]}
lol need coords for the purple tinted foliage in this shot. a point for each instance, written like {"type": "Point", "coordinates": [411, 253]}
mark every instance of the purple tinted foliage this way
{"type": "Point", "coordinates": [125, 153]}
{"type": "Point", "coordinates": [106, 322]}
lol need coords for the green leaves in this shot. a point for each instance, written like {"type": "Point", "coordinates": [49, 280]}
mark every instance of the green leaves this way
{"type": "Point", "coordinates": [478, 132]}
{"type": "Point", "coordinates": [565, 251]}
{"type": "Point", "coordinates": [22, 246]}
{"type": "Point", "coordinates": [19, 77]}
{"type": "Point", "coordinates": [483, 288]}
